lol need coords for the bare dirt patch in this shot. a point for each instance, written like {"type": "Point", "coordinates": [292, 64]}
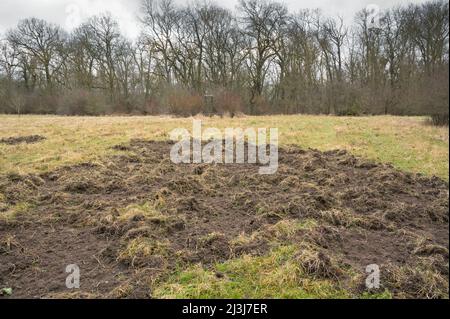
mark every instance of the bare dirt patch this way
{"type": "Point", "coordinates": [22, 139]}
{"type": "Point", "coordinates": [135, 217]}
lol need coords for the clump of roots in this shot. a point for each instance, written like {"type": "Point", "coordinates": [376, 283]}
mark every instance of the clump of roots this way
{"type": "Point", "coordinates": [427, 280]}
{"type": "Point", "coordinates": [316, 263]}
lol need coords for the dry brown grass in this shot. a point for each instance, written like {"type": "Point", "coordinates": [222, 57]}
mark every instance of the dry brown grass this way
{"type": "Point", "coordinates": [406, 142]}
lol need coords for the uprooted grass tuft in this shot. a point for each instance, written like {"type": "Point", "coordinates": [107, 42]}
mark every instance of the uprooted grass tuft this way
{"type": "Point", "coordinates": [210, 238]}
{"type": "Point", "coordinates": [288, 228]}
{"type": "Point", "coordinates": [11, 213]}
{"type": "Point", "coordinates": [316, 263]}
{"type": "Point", "coordinates": [145, 211]}
{"type": "Point", "coordinates": [424, 248]}
{"type": "Point", "coordinates": [144, 251]}
{"type": "Point", "coordinates": [3, 204]}
{"type": "Point", "coordinates": [274, 235]}
{"type": "Point", "coordinates": [420, 281]}
{"type": "Point", "coordinates": [348, 219]}
{"type": "Point", "coordinates": [8, 243]}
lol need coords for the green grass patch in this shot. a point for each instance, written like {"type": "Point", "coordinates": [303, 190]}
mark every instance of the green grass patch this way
{"type": "Point", "coordinates": [276, 275]}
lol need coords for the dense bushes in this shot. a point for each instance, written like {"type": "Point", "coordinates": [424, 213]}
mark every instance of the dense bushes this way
{"type": "Point", "coordinates": [184, 103]}
{"type": "Point", "coordinates": [440, 119]}
{"type": "Point", "coordinates": [425, 96]}
{"type": "Point", "coordinates": [82, 102]}
{"type": "Point", "coordinates": [228, 103]}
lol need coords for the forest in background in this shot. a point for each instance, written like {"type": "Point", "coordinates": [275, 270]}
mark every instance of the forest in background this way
{"type": "Point", "coordinates": [260, 59]}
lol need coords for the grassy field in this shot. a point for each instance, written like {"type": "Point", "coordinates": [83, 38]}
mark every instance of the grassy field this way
{"type": "Point", "coordinates": [406, 142]}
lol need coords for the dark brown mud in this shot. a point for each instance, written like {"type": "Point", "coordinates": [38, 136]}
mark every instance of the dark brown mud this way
{"type": "Point", "coordinates": [22, 139]}
{"type": "Point", "coordinates": [366, 213]}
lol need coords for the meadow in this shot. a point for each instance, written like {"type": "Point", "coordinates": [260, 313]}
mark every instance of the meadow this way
{"type": "Point", "coordinates": [406, 142]}
{"type": "Point", "coordinates": [101, 192]}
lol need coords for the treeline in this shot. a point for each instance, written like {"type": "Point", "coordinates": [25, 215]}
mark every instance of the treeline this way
{"type": "Point", "coordinates": [202, 58]}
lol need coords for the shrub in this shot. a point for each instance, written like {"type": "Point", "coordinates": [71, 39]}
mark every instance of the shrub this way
{"type": "Point", "coordinates": [440, 119]}
{"type": "Point", "coordinates": [184, 103]}
{"type": "Point", "coordinates": [228, 103]}
{"type": "Point", "coordinates": [260, 105]}
{"type": "Point", "coordinates": [151, 107]}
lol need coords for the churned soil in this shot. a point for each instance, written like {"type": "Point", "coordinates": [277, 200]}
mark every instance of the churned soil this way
{"type": "Point", "coordinates": [134, 217]}
{"type": "Point", "coordinates": [22, 139]}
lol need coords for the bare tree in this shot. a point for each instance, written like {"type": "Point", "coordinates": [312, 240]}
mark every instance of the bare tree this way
{"type": "Point", "coordinates": [41, 41]}
{"type": "Point", "coordinates": [262, 22]}
{"type": "Point", "coordinates": [105, 38]}
{"type": "Point", "coordinates": [428, 24]}
{"type": "Point", "coordinates": [160, 19]}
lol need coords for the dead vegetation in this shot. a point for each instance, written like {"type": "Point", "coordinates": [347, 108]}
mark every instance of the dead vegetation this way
{"type": "Point", "coordinates": [134, 218]}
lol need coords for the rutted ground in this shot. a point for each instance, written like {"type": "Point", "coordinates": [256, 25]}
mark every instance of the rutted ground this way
{"type": "Point", "coordinates": [133, 220]}
{"type": "Point", "coordinates": [22, 139]}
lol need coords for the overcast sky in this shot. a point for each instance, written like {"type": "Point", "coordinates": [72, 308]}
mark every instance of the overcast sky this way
{"type": "Point", "coordinates": [68, 13]}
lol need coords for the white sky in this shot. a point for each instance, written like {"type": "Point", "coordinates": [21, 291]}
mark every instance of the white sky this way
{"type": "Point", "coordinates": [69, 13]}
